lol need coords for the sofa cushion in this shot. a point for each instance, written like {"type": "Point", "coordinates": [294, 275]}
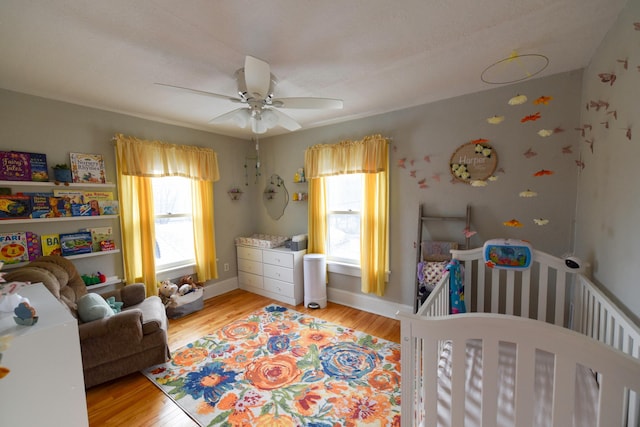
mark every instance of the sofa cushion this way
{"type": "Point", "coordinates": [93, 307]}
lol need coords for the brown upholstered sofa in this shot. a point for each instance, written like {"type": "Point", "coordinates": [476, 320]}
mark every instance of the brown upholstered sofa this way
{"type": "Point", "coordinates": [114, 346]}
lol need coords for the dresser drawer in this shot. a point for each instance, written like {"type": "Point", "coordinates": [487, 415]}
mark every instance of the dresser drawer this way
{"type": "Point", "coordinates": [250, 253]}
{"type": "Point", "coordinates": [249, 266]}
{"type": "Point", "coordinates": [250, 279]}
{"type": "Point", "coordinates": [281, 258]}
{"type": "Point", "coordinates": [280, 273]}
{"type": "Point", "coordinates": [279, 287]}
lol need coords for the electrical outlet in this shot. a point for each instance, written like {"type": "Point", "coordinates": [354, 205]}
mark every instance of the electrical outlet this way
{"type": "Point", "coordinates": [226, 266]}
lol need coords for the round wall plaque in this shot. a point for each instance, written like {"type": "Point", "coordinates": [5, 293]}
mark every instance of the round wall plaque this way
{"type": "Point", "coordinates": [473, 161]}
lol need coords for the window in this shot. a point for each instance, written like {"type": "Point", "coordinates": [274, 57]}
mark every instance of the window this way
{"type": "Point", "coordinates": [173, 223]}
{"type": "Point", "coordinates": [344, 206]}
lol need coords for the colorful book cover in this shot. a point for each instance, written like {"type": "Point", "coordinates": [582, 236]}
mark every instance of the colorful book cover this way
{"type": "Point", "coordinates": [50, 244]}
{"type": "Point", "coordinates": [38, 165]}
{"type": "Point", "coordinates": [33, 246]}
{"type": "Point", "coordinates": [16, 206]}
{"type": "Point", "coordinates": [40, 205]}
{"type": "Point", "coordinates": [13, 247]}
{"type": "Point", "coordinates": [15, 166]}
{"type": "Point", "coordinates": [80, 209]}
{"type": "Point", "coordinates": [59, 207]}
{"type": "Point", "coordinates": [87, 168]}
{"type": "Point", "coordinates": [73, 196]}
{"type": "Point", "coordinates": [99, 235]}
{"type": "Point", "coordinates": [93, 198]}
{"type": "Point", "coordinates": [75, 243]}
{"type": "Point", "coordinates": [109, 207]}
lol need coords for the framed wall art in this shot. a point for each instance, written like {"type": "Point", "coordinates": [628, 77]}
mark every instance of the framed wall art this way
{"type": "Point", "coordinates": [473, 161]}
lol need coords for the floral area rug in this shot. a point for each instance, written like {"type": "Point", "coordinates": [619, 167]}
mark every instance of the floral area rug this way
{"type": "Point", "coordinates": [279, 367]}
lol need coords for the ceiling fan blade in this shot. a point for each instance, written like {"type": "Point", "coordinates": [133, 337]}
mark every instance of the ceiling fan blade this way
{"type": "Point", "coordinates": [286, 121]}
{"type": "Point", "coordinates": [202, 92]}
{"type": "Point", "coordinates": [237, 114]}
{"type": "Point", "coordinates": [311, 103]}
{"type": "Point", "coordinates": [257, 75]}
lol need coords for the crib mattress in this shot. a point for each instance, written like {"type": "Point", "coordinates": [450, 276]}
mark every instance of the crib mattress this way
{"type": "Point", "coordinates": [586, 394]}
{"type": "Point", "coordinates": [264, 241]}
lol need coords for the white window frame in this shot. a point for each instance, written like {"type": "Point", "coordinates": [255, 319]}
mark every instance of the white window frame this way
{"type": "Point", "coordinates": [350, 266]}
{"type": "Point", "coordinates": [187, 264]}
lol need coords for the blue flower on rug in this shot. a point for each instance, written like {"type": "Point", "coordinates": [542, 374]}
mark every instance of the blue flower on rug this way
{"type": "Point", "coordinates": [275, 309]}
{"type": "Point", "coordinates": [347, 361]}
{"type": "Point", "coordinates": [211, 382]}
{"type": "Point", "coordinates": [278, 344]}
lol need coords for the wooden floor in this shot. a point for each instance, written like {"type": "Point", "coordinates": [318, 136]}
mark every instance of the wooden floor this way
{"type": "Point", "coordinates": [134, 401]}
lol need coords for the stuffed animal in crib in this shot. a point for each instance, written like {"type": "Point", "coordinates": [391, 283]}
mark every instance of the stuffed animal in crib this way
{"type": "Point", "coordinates": [168, 292]}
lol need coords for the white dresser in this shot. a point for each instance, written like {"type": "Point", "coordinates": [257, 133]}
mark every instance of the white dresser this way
{"type": "Point", "coordinates": [45, 386]}
{"type": "Point", "coordinates": [274, 273]}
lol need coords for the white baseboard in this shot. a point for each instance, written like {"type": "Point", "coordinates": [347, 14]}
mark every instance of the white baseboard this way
{"type": "Point", "coordinates": [221, 287]}
{"type": "Point", "coordinates": [367, 303]}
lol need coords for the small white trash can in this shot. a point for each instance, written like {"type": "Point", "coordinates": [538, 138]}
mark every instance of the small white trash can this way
{"type": "Point", "coordinates": [315, 280]}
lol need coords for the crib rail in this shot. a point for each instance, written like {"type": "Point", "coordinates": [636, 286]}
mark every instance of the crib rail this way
{"type": "Point", "coordinates": [548, 292]}
{"type": "Point", "coordinates": [618, 373]}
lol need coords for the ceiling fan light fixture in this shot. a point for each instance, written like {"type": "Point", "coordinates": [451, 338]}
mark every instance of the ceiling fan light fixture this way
{"type": "Point", "coordinates": [257, 125]}
{"type": "Point", "coordinates": [269, 118]}
{"type": "Point", "coordinates": [241, 118]}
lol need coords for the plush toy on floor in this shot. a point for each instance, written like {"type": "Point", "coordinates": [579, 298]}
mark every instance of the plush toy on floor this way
{"type": "Point", "coordinates": [168, 293]}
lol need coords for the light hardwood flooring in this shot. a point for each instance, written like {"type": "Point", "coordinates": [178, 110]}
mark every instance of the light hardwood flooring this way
{"type": "Point", "coordinates": [134, 401]}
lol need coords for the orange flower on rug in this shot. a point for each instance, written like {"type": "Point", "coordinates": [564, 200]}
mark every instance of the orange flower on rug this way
{"type": "Point", "coordinates": [279, 367]}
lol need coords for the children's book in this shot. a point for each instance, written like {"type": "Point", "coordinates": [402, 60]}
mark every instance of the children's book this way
{"type": "Point", "coordinates": [99, 235]}
{"type": "Point", "coordinates": [38, 166]}
{"type": "Point", "coordinates": [50, 244]}
{"type": "Point", "coordinates": [93, 198]}
{"type": "Point", "coordinates": [16, 206]}
{"type": "Point", "coordinates": [13, 247]}
{"type": "Point", "coordinates": [76, 197]}
{"type": "Point", "coordinates": [59, 206]}
{"type": "Point", "coordinates": [75, 243]}
{"type": "Point", "coordinates": [87, 168]}
{"type": "Point", "coordinates": [15, 166]}
{"type": "Point", "coordinates": [109, 207]}
{"type": "Point", "coordinates": [33, 246]}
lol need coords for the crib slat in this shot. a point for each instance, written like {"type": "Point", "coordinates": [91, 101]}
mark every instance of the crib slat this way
{"type": "Point", "coordinates": [468, 301]}
{"type": "Point", "coordinates": [526, 289]}
{"type": "Point", "coordinates": [560, 293]}
{"type": "Point", "coordinates": [490, 359]}
{"type": "Point", "coordinates": [610, 410]}
{"type": "Point", "coordinates": [564, 380]}
{"type": "Point", "coordinates": [481, 288]}
{"type": "Point", "coordinates": [430, 382]}
{"type": "Point", "coordinates": [458, 353]}
{"type": "Point", "coordinates": [495, 290]}
{"type": "Point", "coordinates": [543, 282]}
{"type": "Point", "coordinates": [525, 380]}
{"type": "Point", "coordinates": [511, 283]}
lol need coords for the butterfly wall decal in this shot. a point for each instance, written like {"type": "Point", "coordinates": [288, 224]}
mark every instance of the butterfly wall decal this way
{"type": "Point", "coordinates": [543, 172]}
{"type": "Point", "coordinates": [531, 118]}
{"type": "Point", "coordinates": [543, 100]}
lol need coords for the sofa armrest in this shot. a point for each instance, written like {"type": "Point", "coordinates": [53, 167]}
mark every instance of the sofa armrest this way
{"type": "Point", "coordinates": [125, 323]}
{"type": "Point", "coordinates": [133, 294]}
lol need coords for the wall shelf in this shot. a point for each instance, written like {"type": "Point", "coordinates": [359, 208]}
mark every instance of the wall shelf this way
{"type": "Point", "coordinates": [54, 184]}
{"type": "Point", "coordinates": [56, 219]}
{"type": "Point", "coordinates": [70, 257]}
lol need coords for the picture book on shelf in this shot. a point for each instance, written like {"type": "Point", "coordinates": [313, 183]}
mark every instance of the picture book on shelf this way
{"type": "Point", "coordinates": [33, 246]}
{"type": "Point", "coordinates": [75, 243]}
{"type": "Point", "coordinates": [15, 206]}
{"type": "Point", "coordinates": [99, 235]}
{"type": "Point", "coordinates": [15, 166]}
{"type": "Point", "coordinates": [74, 196]}
{"type": "Point", "coordinates": [13, 247]}
{"type": "Point", "coordinates": [87, 168]}
{"type": "Point", "coordinates": [50, 244]}
{"type": "Point", "coordinates": [38, 165]}
{"type": "Point", "coordinates": [93, 198]}
{"type": "Point", "coordinates": [109, 207]}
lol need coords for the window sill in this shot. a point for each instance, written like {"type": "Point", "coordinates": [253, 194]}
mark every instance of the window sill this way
{"type": "Point", "coordinates": [348, 269]}
{"type": "Point", "coordinates": [174, 272]}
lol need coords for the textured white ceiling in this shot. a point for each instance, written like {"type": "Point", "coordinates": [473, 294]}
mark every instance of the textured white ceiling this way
{"type": "Point", "coordinates": [377, 55]}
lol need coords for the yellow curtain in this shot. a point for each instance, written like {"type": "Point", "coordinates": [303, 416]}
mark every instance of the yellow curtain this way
{"type": "Point", "coordinates": [137, 162]}
{"type": "Point", "coordinates": [371, 157]}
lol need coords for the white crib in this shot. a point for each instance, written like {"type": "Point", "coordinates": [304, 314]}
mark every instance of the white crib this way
{"type": "Point", "coordinates": [519, 325]}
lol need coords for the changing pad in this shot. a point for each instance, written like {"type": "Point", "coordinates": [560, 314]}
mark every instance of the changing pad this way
{"type": "Point", "coordinates": [265, 241]}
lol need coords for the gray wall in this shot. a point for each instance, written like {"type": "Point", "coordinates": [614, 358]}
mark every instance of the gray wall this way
{"type": "Point", "coordinates": [437, 130]}
{"type": "Point", "coordinates": [608, 208]}
{"type": "Point", "coordinates": [35, 124]}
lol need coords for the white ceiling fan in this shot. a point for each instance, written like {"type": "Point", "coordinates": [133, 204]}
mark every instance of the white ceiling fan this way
{"type": "Point", "coordinates": [255, 90]}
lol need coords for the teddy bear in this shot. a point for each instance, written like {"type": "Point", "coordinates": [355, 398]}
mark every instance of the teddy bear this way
{"type": "Point", "coordinates": [168, 293]}
{"type": "Point", "coordinates": [187, 284]}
